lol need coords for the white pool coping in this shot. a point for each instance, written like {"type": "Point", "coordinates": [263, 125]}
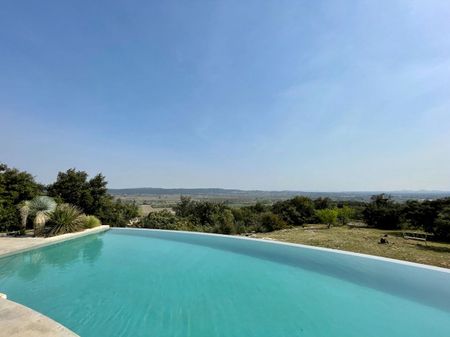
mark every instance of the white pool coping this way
{"type": "Point", "coordinates": [299, 245]}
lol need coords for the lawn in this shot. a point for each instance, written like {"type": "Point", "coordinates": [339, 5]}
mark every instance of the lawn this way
{"type": "Point", "coordinates": [366, 240]}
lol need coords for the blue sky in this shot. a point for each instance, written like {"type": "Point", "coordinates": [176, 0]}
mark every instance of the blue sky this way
{"type": "Point", "coordinates": [300, 95]}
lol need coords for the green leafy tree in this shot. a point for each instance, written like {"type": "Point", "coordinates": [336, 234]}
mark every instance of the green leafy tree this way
{"type": "Point", "coordinates": [224, 222]}
{"type": "Point", "coordinates": [322, 203]}
{"type": "Point", "coordinates": [15, 187]}
{"type": "Point", "coordinates": [441, 228]}
{"type": "Point", "coordinates": [184, 207]}
{"type": "Point", "coordinates": [74, 187]}
{"type": "Point", "coordinates": [327, 216]}
{"type": "Point", "coordinates": [92, 197]}
{"type": "Point", "coordinates": [117, 213]}
{"type": "Point", "coordinates": [382, 212]}
{"type": "Point", "coordinates": [345, 214]}
{"type": "Point", "coordinates": [296, 211]}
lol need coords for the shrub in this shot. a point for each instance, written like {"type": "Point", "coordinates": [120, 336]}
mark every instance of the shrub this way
{"type": "Point", "coordinates": [66, 218]}
{"type": "Point", "coordinates": [90, 221]}
{"type": "Point", "coordinates": [345, 214]}
{"type": "Point", "coordinates": [224, 222]}
{"type": "Point", "coordinates": [40, 208]}
{"type": "Point", "coordinates": [271, 222]}
{"type": "Point", "coordinates": [161, 220]}
{"type": "Point", "coordinates": [327, 216]}
{"type": "Point", "coordinates": [117, 213]}
{"type": "Point", "coordinates": [296, 211]}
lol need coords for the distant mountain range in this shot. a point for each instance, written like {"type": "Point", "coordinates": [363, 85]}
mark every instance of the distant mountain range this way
{"type": "Point", "coordinates": [257, 194]}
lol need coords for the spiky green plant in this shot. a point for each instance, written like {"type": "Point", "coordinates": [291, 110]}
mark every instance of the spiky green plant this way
{"type": "Point", "coordinates": [65, 218]}
{"type": "Point", "coordinates": [91, 221]}
{"type": "Point", "coordinates": [40, 208]}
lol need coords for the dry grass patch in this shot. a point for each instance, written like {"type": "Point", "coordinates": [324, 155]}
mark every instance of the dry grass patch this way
{"type": "Point", "coordinates": [366, 240]}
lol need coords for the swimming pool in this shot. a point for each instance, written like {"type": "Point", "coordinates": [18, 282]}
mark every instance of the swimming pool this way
{"type": "Point", "coordinates": [127, 282]}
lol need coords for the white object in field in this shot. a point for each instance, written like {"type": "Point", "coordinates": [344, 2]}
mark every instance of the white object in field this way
{"type": "Point", "coordinates": [3, 296]}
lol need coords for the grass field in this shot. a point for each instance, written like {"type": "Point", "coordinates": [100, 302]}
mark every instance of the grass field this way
{"type": "Point", "coordinates": [366, 240]}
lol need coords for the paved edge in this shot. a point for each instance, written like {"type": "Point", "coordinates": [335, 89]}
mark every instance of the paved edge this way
{"type": "Point", "coordinates": [57, 239]}
{"type": "Point", "coordinates": [21, 321]}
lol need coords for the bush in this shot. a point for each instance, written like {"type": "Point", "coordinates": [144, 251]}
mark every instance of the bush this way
{"type": "Point", "coordinates": [65, 218]}
{"type": "Point", "coordinates": [327, 216]}
{"type": "Point", "coordinates": [345, 214]}
{"type": "Point", "coordinates": [296, 211]}
{"type": "Point", "coordinates": [161, 220]}
{"type": "Point", "coordinates": [224, 222]}
{"type": "Point", "coordinates": [271, 222]}
{"type": "Point", "coordinates": [90, 221]}
{"type": "Point", "coordinates": [117, 213]}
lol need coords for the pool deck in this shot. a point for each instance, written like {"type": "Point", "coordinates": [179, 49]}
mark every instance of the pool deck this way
{"type": "Point", "coordinates": [18, 320]}
{"type": "Point", "coordinates": [13, 245]}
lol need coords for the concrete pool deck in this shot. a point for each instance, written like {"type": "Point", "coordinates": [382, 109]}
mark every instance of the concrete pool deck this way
{"type": "Point", "coordinates": [12, 245]}
{"type": "Point", "coordinates": [18, 320]}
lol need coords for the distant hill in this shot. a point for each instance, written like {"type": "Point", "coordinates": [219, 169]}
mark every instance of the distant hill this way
{"type": "Point", "coordinates": [257, 194]}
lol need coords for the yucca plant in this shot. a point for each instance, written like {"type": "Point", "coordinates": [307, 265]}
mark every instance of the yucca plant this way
{"type": "Point", "coordinates": [90, 221]}
{"type": "Point", "coordinates": [40, 208]}
{"type": "Point", "coordinates": [65, 218]}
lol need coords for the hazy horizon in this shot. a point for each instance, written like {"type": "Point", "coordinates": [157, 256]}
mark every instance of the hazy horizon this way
{"type": "Point", "coordinates": [325, 96]}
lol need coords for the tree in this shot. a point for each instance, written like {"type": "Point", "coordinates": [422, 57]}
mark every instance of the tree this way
{"type": "Point", "coordinates": [296, 211]}
{"type": "Point", "coordinates": [91, 197]}
{"type": "Point", "coordinates": [322, 203]}
{"type": "Point", "coordinates": [15, 186]}
{"type": "Point", "coordinates": [327, 216]}
{"type": "Point", "coordinates": [441, 228]}
{"type": "Point", "coordinates": [345, 213]}
{"type": "Point", "coordinates": [117, 213]}
{"type": "Point", "coordinates": [184, 207]}
{"type": "Point", "coordinates": [382, 212]}
{"type": "Point", "coordinates": [224, 222]}
{"type": "Point", "coordinates": [73, 187]}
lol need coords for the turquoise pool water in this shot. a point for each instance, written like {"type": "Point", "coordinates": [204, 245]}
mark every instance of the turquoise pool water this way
{"type": "Point", "coordinates": [155, 283]}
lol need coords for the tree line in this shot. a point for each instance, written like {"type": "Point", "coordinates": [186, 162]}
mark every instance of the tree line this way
{"type": "Point", "coordinates": [90, 196]}
{"type": "Point", "coordinates": [431, 216]}
{"type": "Point", "coordinates": [25, 202]}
